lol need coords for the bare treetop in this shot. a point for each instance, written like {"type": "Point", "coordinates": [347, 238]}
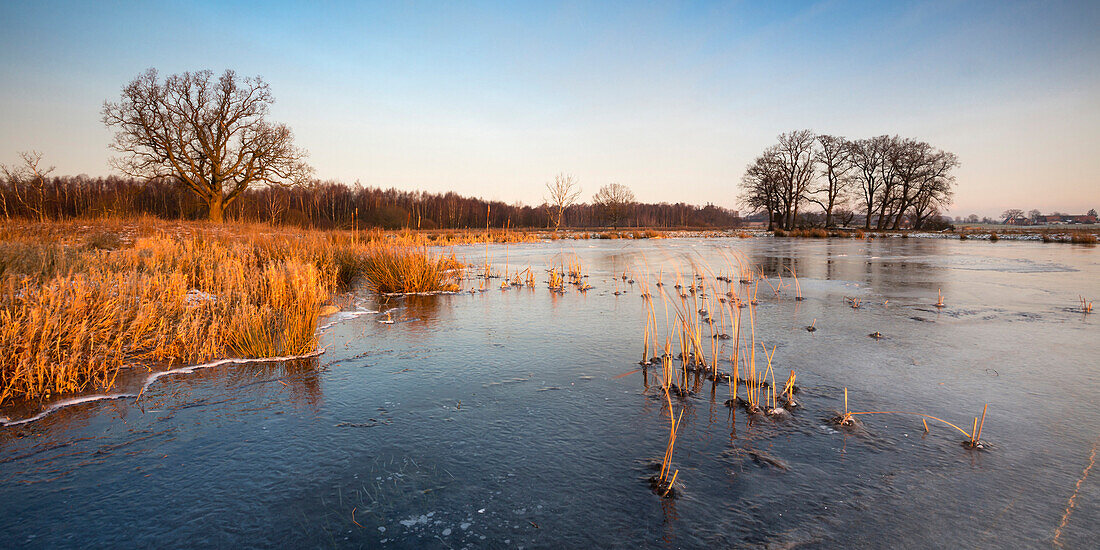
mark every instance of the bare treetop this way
{"type": "Point", "coordinates": [27, 181]}
{"type": "Point", "coordinates": [614, 199]}
{"type": "Point", "coordinates": [211, 134]}
{"type": "Point", "coordinates": [563, 193]}
{"type": "Point", "coordinates": [832, 157]}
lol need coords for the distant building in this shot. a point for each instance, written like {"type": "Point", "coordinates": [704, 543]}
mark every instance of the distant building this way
{"type": "Point", "coordinates": [1063, 219]}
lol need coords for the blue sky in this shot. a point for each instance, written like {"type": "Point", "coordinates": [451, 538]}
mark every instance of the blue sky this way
{"type": "Point", "coordinates": [671, 99]}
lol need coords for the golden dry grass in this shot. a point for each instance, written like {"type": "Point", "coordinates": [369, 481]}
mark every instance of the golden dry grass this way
{"type": "Point", "coordinates": [79, 300]}
{"type": "Point", "coordinates": [389, 269]}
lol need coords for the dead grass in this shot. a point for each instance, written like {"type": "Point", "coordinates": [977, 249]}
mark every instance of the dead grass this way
{"type": "Point", "coordinates": [80, 300]}
{"type": "Point", "coordinates": [1082, 237]}
{"type": "Point", "coordinates": [389, 269]}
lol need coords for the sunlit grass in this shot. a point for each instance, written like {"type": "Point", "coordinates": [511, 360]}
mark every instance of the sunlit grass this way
{"type": "Point", "coordinates": [388, 269]}
{"type": "Point", "coordinates": [76, 306]}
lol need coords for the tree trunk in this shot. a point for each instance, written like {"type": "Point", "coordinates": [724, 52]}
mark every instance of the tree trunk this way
{"type": "Point", "coordinates": [897, 219]}
{"type": "Point", "coordinates": [217, 209]}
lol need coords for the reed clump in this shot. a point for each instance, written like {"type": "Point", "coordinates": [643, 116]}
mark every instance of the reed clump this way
{"type": "Point", "coordinates": [664, 482]}
{"type": "Point", "coordinates": [389, 270]}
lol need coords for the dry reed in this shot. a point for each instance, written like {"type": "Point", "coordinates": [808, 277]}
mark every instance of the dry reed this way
{"type": "Point", "coordinates": [973, 437]}
{"type": "Point", "coordinates": [76, 307]}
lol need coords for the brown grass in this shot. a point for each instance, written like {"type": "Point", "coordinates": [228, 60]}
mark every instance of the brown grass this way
{"type": "Point", "coordinates": [1082, 237]}
{"type": "Point", "coordinates": [81, 300]}
{"type": "Point", "coordinates": [390, 269]}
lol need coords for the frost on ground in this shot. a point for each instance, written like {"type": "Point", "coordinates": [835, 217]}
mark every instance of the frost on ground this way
{"type": "Point", "coordinates": [197, 297]}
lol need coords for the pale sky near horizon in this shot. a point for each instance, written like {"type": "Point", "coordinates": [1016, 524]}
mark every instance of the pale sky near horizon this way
{"type": "Point", "coordinates": [670, 99]}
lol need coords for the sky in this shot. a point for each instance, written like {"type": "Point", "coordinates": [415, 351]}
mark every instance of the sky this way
{"type": "Point", "coordinates": [673, 100]}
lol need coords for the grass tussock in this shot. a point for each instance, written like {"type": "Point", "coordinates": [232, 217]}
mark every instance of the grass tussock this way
{"type": "Point", "coordinates": [407, 270]}
{"type": "Point", "coordinates": [1082, 237]}
{"type": "Point", "coordinates": [78, 303]}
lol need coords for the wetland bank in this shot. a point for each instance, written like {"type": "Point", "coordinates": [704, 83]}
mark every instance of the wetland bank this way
{"type": "Point", "coordinates": [510, 415]}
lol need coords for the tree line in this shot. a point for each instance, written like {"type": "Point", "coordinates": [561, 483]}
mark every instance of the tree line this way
{"type": "Point", "coordinates": [891, 181]}
{"type": "Point", "coordinates": [30, 191]}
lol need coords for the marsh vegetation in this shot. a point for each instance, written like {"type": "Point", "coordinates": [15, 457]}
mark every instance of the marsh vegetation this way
{"type": "Point", "coordinates": [458, 407]}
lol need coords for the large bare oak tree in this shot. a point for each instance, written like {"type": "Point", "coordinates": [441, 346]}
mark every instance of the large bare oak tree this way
{"type": "Point", "coordinates": [211, 134]}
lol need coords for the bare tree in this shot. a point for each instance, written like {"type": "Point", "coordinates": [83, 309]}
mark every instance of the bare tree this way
{"type": "Point", "coordinates": [888, 175]}
{"type": "Point", "coordinates": [906, 161]}
{"type": "Point", "coordinates": [832, 157]}
{"type": "Point", "coordinates": [867, 156]}
{"type": "Point", "coordinates": [924, 181]}
{"type": "Point", "coordinates": [760, 186]}
{"type": "Point", "coordinates": [27, 182]}
{"type": "Point", "coordinates": [1034, 214]}
{"type": "Point", "coordinates": [614, 201]}
{"type": "Point", "coordinates": [1011, 214]}
{"type": "Point", "coordinates": [210, 134]}
{"type": "Point", "coordinates": [935, 188]}
{"type": "Point", "coordinates": [562, 193]}
{"type": "Point", "coordinates": [794, 153]}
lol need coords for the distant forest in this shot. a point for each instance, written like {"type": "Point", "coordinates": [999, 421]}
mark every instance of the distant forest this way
{"type": "Point", "coordinates": [324, 205]}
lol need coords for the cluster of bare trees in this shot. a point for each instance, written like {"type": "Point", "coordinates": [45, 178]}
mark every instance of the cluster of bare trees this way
{"type": "Point", "coordinates": [893, 181]}
{"type": "Point", "coordinates": [613, 201]}
{"type": "Point", "coordinates": [25, 186]}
